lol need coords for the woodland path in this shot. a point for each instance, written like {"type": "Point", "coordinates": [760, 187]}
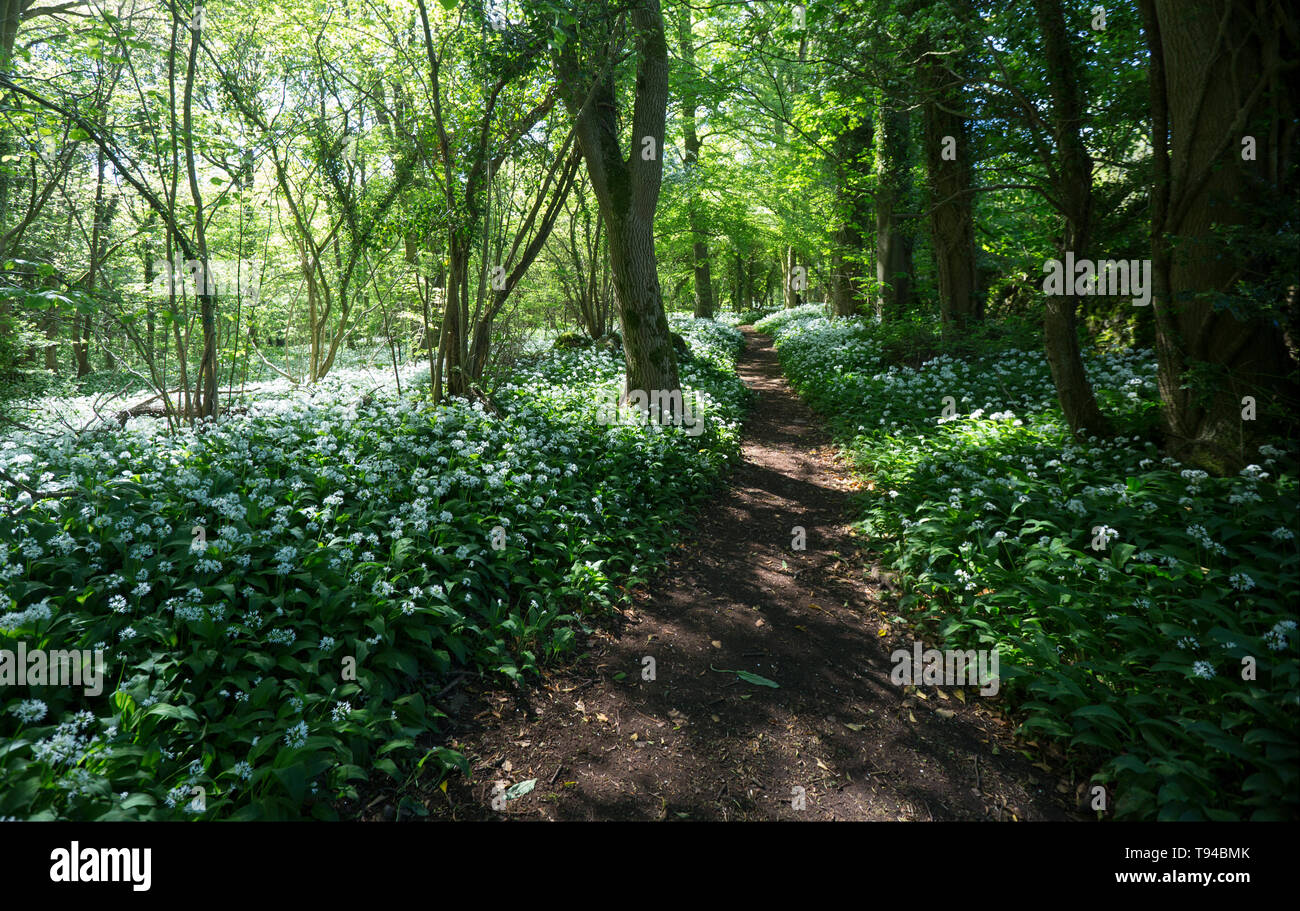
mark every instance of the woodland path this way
{"type": "Point", "coordinates": [698, 744]}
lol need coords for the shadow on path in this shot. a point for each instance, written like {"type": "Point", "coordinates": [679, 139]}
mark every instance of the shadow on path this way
{"type": "Point", "coordinates": [694, 743]}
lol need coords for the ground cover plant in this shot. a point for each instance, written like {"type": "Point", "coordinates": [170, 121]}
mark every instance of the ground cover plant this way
{"type": "Point", "coordinates": [274, 593]}
{"type": "Point", "coordinates": [1144, 612]}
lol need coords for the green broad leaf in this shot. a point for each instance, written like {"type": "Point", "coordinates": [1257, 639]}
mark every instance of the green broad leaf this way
{"type": "Point", "coordinates": [748, 677]}
{"type": "Point", "coordinates": [294, 779]}
{"type": "Point", "coordinates": [1132, 764]}
{"type": "Point", "coordinates": [515, 791]}
{"type": "Point", "coordinates": [450, 759]}
{"type": "Point", "coordinates": [410, 805]}
{"type": "Point", "coordinates": [400, 744]}
{"type": "Point", "coordinates": [20, 795]}
{"type": "Point", "coordinates": [1103, 712]}
{"type": "Point", "coordinates": [1221, 815]}
{"type": "Point", "coordinates": [178, 712]}
{"type": "Point", "coordinates": [1121, 554]}
{"type": "Point", "coordinates": [138, 800]}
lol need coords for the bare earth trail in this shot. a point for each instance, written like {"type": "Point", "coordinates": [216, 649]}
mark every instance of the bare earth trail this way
{"type": "Point", "coordinates": [694, 743]}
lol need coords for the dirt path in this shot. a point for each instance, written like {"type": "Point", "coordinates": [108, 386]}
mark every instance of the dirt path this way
{"type": "Point", "coordinates": [694, 743]}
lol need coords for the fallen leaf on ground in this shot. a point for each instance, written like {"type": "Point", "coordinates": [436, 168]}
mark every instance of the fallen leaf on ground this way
{"type": "Point", "coordinates": [516, 791]}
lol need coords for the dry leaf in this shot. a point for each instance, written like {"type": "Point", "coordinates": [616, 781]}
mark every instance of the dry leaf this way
{"type": "Point", "coordinates": [716, 643]}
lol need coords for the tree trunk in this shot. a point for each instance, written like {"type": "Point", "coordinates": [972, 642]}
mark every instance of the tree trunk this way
{"type": "Point", "coordinates": [790, 284]}
{"type": "Point", "coordinates": [691, 143]}
{"type": "Point", "coordinates": [80, 341]}
{"type": "Point", "coordinates": [628, 193]}
{"type": "Point", "coordinates": [1074, 190]}
{"type": "Point", "coordinates": [893, 242]}
{"type": "Point", "coordinates": [848, 241]}
{"type": "Point", "coordinates": [1217, 77]}
{"type": "Point", "coordinates": [52, 334]}
{"type": "Point", "coordinates": [952, 221]}
{"type": "Point", "coordinates": [11, 16]}
{"type": "Point", "coordinates": [452, 342]}
{"type": "Point", "coordinates": [206, 390]}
